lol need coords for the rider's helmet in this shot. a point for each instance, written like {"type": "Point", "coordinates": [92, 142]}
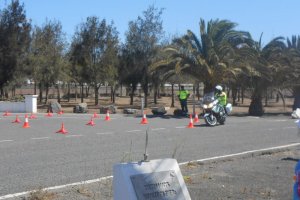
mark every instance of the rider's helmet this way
{"type": "Point", "coordinates": [218, 89]}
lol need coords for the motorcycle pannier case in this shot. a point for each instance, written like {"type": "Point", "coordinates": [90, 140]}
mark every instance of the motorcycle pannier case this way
{"type": "Point", "coordinates": [228, 108]}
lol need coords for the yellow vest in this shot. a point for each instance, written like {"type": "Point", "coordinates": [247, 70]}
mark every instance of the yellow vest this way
{"type": "Point", "coordinates": [183, 94]}
{"type": "Point", "coordinates": [222, 99]}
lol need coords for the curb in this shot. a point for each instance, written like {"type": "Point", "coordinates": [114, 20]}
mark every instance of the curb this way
{"type": "Point", "coordinates": [245, 154]}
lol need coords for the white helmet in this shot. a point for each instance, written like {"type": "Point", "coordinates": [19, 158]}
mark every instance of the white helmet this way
{"type": "Point", "coordinates": [219, 88]}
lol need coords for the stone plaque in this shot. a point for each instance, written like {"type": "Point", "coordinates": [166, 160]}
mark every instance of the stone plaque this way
{"type": "Point", "coordinates": [162, 185]}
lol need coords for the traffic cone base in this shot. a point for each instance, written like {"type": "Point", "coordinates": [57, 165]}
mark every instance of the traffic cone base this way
{"type": "Point", "coordinates": [91, 122]}
{"type": "Point", "coordinates": [49, 114]}
{"type": "Point", "coordinates": [96, 115]}
{"type": "Point", "coordinates": [60, 112]}
{"type": "Point", "coordinates": [17, 120]}
{"type": "Point", "coordinates": [107, 118]}
{"type": "Point", "coordinates": [196, 119]}
{"type": "Point", "coordinates": [26, 123]}
{"type": "Point", "coordinates": [62, 129]}
{"type": "Point", "coordinates": [144, 119]}
{"type": "Point", "coordinates": [32, 116]}
{"type": "Point", "coordinates": [7, 113]}
{"type": "Point", "coordinates": [191, 124]}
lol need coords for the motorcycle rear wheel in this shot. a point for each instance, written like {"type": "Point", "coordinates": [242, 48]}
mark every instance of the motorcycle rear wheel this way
{"type": "Point", "coordinates": [222, 120]}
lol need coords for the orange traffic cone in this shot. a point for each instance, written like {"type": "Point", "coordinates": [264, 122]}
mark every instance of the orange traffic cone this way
{"type": "Point", "coordinates": [91, 122]}
{"type": "Point", "coordinates": [7, 113]}
{"type": "Point", "coordinates": [32, 116]}
{"type": "Point", "coordinates": [191, 124]}
{"type": "Point", "coordinates": [26, 123]}
{"type": "Point", "coordinates": [196, 119]}
{"type": "Point", "coordinates": [49, 114]}
{"type": "Point", "coordinates": [60, 112]}
{"type": "Point", "coordinates": [62, 129]}
{"type": "Point", "coordinates": [17, 120]}
{"type": "Point", "coordinates": [107, 118]}
{"type": "Point", "coordinates": [96, 115]}
{"type": "Point", "coordinates": [144, 119]}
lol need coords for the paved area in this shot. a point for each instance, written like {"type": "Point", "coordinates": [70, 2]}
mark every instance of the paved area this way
{"type": "Point", "coordinates": [38, 157]}
{"type": "Point", "coordinates": [267, 175]}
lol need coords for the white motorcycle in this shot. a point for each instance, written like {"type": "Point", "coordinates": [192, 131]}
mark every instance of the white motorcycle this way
{"type": "Point", "coordinates": [213, 112]}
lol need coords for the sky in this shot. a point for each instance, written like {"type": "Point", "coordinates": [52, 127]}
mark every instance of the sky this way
{"type": "Point", "coordinates": [271, 17]}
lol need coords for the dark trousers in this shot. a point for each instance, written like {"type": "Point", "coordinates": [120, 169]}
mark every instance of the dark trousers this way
{"type": "Point", "coordinates": [183, 103]}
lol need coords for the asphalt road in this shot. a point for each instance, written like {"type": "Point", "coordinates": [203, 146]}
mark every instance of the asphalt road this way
{"type": "Point", "coordinates": [38, 157]}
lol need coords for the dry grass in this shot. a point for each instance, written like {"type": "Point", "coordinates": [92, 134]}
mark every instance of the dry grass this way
{"type": "Point", "coordinates": [84, 191]}
{"type": "Point", "coordinates": [41, 195]}
{"type": "Point", "coordinates": [187, 179]}
{"type": "Point", "coordinates": [192, 165]}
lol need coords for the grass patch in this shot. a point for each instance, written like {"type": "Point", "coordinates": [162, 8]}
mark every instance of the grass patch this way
{"type": "Point", "coordinates": [187, 179]}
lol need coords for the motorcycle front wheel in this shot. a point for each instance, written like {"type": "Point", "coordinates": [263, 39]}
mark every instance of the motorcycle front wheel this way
{"type": "Point", "coordinates": [210, 120]}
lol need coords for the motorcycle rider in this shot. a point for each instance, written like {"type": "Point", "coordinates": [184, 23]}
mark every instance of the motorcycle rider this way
{"type": "Point", "coordinates": [221, 96]}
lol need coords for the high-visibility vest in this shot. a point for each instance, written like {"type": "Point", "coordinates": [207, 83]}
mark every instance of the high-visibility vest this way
{"type": "Point", "coordinates": [183, 94]}
{"type": "Point", "coordinates": [222, 99]}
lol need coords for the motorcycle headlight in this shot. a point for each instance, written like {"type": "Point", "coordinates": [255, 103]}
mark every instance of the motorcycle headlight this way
{"type": "Point", "coordinates": [210, 105]}
{"type": "Point", "coordinates": [205, 106]}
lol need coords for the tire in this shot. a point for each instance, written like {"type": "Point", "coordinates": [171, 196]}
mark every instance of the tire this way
{"type": "Point", "coordinates": [222, 120]}
{"type": "Point", "coordinates": [211, 120]}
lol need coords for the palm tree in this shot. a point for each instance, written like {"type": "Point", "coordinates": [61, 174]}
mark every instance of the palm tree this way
{"type": "Point", "coordinates": [210, 59]}
{"type": "Point", "coordinates": [293, 51]}
{"type": "Point", "coordinates": [265, 64]}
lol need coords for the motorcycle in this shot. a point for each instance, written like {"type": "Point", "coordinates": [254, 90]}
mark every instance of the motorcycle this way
{"type": "Point", "coordinates": [213, 112]}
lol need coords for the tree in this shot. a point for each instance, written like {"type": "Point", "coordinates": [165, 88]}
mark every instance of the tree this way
{"type": "Point", "coordinates": [209, 59]}
{"type": "Point", "coordinates": [293, 77]}
{"type": "Point", "coordinates": [129, 73]}
{"type": "Point", "coordinates": [142, 41]}
{"type": "Point", "coordinates": [47, 56]}
{"type": "Point", "coordinates": [96, 45]}
{"type": "Point", "coordinates": [111, 61]}
{"type": "Point", "coordinates": [14, 41]}
{"type": "Point", "coordinates": [264, 64]}
{"type": "Point", "coordinates": [77, 64]}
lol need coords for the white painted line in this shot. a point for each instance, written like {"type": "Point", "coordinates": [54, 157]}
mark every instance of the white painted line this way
{"type": "Point", "coordinates": [183, 163]}
{"type": "Point", "coordinates": [56, 187]}
{"type": "Point", "coordinates": [254, 117]}
{"type": "Point", "coordinates": [69, 117]}
{"type": "Point", "coordinates": [242, 153]}
{"type": "Point", "coordinates": [105, 133]}
{"type": "Point", "coordinates": [157, 129]}
{"type": "Point", "coordinates": [41, 138]}
{"type": "Point", "coordinates": [297, 121]}
{"type": "Point", "coordinates": [289, 127]}
{"type": "Point", "coordinates": [6, 141]}
{"type": "Point", "coordinates": [180, 127]}
{"type": "Point", "coordinates": [280, 120]}
{"type": "Point", "coordinates": [269, 129]}
{"type": "Point", "coordinates": [131, 131]}
{"type": "Point", "coordinates": [74, 135]}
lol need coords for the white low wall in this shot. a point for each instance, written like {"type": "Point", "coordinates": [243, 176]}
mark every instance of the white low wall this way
{"type": "Point", "coordinates": [29, 106]}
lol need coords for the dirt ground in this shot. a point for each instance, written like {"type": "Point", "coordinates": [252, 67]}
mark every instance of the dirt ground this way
{"type": "Point", "coordinates": [123, 102]}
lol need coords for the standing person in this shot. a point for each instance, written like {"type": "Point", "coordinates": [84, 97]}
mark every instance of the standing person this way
{"type": "Point", "coordinates": [183, 95]}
